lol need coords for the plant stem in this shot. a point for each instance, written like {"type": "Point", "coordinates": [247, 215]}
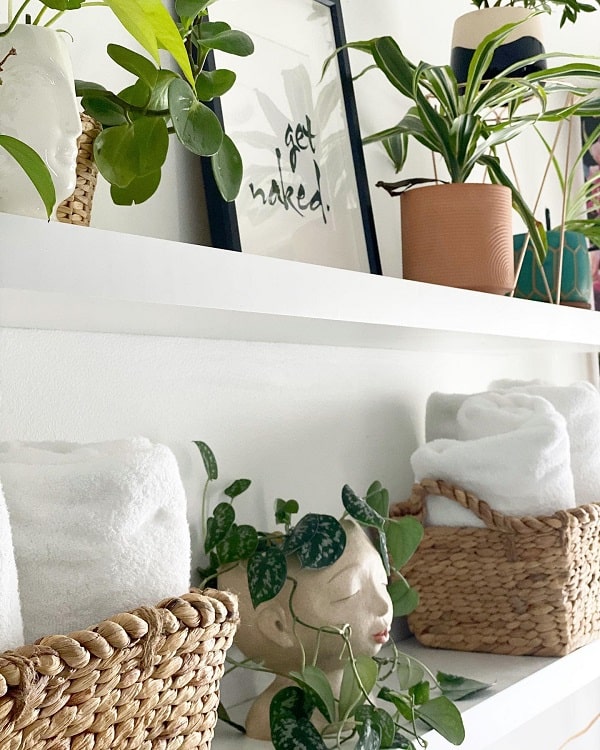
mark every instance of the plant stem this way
{"type": "Point", "coordinates": [14, 20]}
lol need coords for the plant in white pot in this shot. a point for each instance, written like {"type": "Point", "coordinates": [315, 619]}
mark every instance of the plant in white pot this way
{"type": "Point", "coordinates": [316, 603]}
{"type": "Point", "coordinates": [460, 234]}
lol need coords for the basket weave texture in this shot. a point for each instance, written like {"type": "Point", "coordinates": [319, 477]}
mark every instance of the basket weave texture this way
{"type": "Point", "coordinates": [77, 209]}
{"type": "Point", "coordinates": [144, 680]}
{"type": "Point", "coordinates": [522, 585]}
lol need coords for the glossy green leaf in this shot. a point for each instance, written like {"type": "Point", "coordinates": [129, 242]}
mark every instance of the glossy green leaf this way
{"type": "Point", "coordinates": [239, 544]}
{"type": "Point", "coordinates": [380, 719]}
{"type": "Point", "coordinates": [159, 96]}
{"type": "Point", "coordinates": [318, 540]}
{"type": "Point", "coordinates": [220, 36]}
{"type": "Point", "coordinates": [289, 716]}
{"type": "Point", "coordinates": [351, 694]}
{"type": "Point", "coordinates": [133, 63]}
{"type": "Point", "coordinates": [34, 167]}
{"type": "Point", "coordinates": [408, 672]}
{"type": "Point", "coordinates": [138, 190]}
{"type": "Point", "coordinates": [284, 510]}
{"type": "Point", "coordinates": [359, 509]}
{"type": "Point", "coordinates": [267, 571]}
{"type": "Point", "coordinates": [316, 682]}
{"type": "Point", "coordinates": [197, 127]}
{"type": "Point", "coordinates": [227, 169]}
{"type": "Point", "coordinates": [190, 8]}
{"type": "Point", "coordinates": [443, 716]}
{"type": "Point", "coordinates": [403, 538]}
{"type": "Point", "coordinates": [209, 460]}
{"type": "Point", "coordinates": [126, 152]}
{"type": "Point", "coordinates": [378, 498]}
{"type": "Point", "coordinates": [107, 112]}
{"type": "Point", "coordinates": [136, 95]}
{"type": "Point", "coordinates": [419, 692]}
{"type": "Point", "coordinates": [237, 487]}
{"type": "Point", "coordinates": [63, 4]}
{"type": "Point", "coordinates": [218, 525]}
{"type": "Point", "coordinates": [404, 598]}
{"type": "Point", "coordinates": [210, 84]}
{"type": "Point", "coordinates": [401, 702]}
{"type": "Point", "coordinates": [456, 688]}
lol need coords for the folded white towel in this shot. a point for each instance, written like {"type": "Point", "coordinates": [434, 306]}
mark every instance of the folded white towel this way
{"type": "Point", "coordinates": [11, 623]}
{"type": "Point", "coordinates": [513, 453]}
{"type": "Point", "coordinates": [579, 404]}
{"type": "Point", "coordinates": [97, 529]}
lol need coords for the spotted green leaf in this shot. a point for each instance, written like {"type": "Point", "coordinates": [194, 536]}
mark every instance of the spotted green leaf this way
{"type": "Point", "coordinates": [267, 571]}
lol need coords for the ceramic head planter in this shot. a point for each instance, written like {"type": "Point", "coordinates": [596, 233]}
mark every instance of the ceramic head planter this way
{"type": "Point", "coordinates": [285, 632]}
{"type": "Point", "coordinates": [37, 106]}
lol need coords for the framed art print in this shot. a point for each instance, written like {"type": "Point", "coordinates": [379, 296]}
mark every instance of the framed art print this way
{"type": "Point", "coordinates": [304, 194]}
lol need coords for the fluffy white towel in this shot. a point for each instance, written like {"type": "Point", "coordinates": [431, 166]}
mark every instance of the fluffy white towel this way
{"type": "Point", "coordinates": [97, 529]}
{"type": "Point", "coordinates": [513, 453]}
{"type": "Point", "coordinates": [579, 404]}
{"type": "Point", "coordinates": [11, 623]}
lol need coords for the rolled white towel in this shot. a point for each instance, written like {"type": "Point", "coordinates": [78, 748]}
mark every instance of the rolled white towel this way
{"type": "Point", "coordinates": [579, 404]}
{"type": "Point", "coordinates": [11, 622]}
{"type": "Point", "coordinates": [514, 454]}
{"type": "Point", "coordinates": [441, 411]}
{"type": "Point", "coordinates": [97, 529]}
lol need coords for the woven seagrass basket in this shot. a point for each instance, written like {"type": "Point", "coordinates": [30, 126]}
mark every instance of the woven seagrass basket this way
{"type": "Point", "coordinates": [144, 680]}
{"type": "Point", "coordinates": [77, 209]}
{"type": "Point", "coordinates": [522, 585]}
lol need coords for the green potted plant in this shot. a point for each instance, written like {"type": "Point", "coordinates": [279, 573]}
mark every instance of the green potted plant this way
{"type": "Point", "coordinates": [463, 125]}
{"type": "Point", "coordinates": [316, 599]}
{"type": "Point", "coordinates": [138, 120]}
{"type": "Point", "coordinates": [570, 8]}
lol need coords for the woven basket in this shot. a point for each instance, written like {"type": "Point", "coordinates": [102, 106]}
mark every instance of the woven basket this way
{"type": "Point", "coordinates": [78, 208]}
{"type": "Point", "coordinates": [522, 585]}
{"type": "Point", "coordinates": [144, 680]}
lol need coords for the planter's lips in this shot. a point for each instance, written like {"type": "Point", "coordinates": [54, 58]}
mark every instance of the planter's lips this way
{"type": "Point", "coordinates": [382, 637]}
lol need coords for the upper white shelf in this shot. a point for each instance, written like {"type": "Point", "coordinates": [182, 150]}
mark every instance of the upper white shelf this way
{"type": "Point", "coordinates": [58, 276]}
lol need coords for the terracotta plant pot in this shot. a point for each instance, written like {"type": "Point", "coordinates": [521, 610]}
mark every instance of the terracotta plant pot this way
{"type": "Point", "coordinates": [459, 235]}
{"type": "Point", "coordinates": [525, 41]}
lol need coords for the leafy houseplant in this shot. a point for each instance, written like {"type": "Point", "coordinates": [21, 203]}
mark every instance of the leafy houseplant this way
{"type": "Point", "coordinates": [570, 8]}
{"type": "Point", "coordinates": [272, 560]}
{"type": "Point", "coordinates": [465, 124]}
{"type": "Point", "coordinates": [137, 121]}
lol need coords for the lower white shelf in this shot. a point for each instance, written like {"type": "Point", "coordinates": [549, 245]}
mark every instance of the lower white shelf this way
{"type": "Point", "coordinates": [524, 687]}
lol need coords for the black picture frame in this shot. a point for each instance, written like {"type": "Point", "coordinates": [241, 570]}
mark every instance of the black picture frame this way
{"type": "Point", "coordinates": [229, 228]}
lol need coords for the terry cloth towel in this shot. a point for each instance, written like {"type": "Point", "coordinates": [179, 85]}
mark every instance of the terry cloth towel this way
{"type": "Point", "coordinates": [513, 452]}
{"type": "Point", "coordinates": [98, 529]}
{"type": "Point", "coordinates": [11, 623]}
{"type": "Point", "coordinates": [579, 404]}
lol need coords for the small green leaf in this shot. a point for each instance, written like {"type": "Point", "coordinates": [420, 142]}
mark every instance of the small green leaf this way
{"type": "Point", "coordinates": [236, 488]}
{"type": "Point", "coordinates": [136, 95]}
{"type": "Point", "coordinates": [211, 84]}
{"type": "Point", "coordinates": [291, 728]}
{"type": "Point", "coordinates": [267, 572]}
{"type": "Point", "coordinates": [403, 537]}
{"type": "Point", "coordinates": [284, 510]}
{"type": "Point", "coordinates": [381, 541]}
{"type": "Point", "coordinates": [456, 688]}
{"type": "Point", "coordinates": [359, 509]}
{"type": "Point", "coordinates": [208, 457]}
{"type": "Point", "coordinates": [219, 35]}
{"type": "Point", "coordinates": [138, 190]}
{"type": "Point", "coordinates": [315, 681]}
{"type": "Point", "coordinates": [399, 701]}
{"type": "Point", "coordinates": [369, 736]}
{"type": "Point", "coordinates": [318, 540]}
{"type": "Point", "coordinates": [420, 692]}
{"type": "Point", "coordinates": [134, 63]}
{"type": "Point", "coordinates": [105, 111]}
{"type": "Point", "coordinates": [408, 672]}
{"type": "Point", "coordinates": [380, 719]}
{"type": "Point", "coordinates": [34, 167]}
{"type": "Point", "coordinates": [443, 716]}
{"type": "Point", "coordinates": [190, 8]}
{"type": "Point", "coordinates": [227, 169]}
{"type": "Point", "coordinates": [351, 694]}
{"type": "Point", "coordinates": [404, 598]}
{"type": "Point", "coordinates": [378, 499]}
{"type": "Point", "coordinates": [196, 126]}
{"type": "Point", "coordinates": [126, 152]}
{"type": "Point", "coordinates": [218, 525]}
{"type": "Point", "coordinates": [239, 544]}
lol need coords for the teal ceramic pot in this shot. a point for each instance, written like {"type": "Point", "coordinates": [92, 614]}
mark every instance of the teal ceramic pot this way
{"type": "Point", "coordinates": [576, 285]}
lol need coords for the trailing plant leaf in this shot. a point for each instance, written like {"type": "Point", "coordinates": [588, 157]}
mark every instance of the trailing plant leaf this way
{"type": "Point", "coordinates": [218, 525]}
{"type": "Point", "coordinates": [209, 460]}
{"type": "Point", "coordinates": [419, 692]}
{"type": "Point", "coordinates": [378, 498]}
{"type": "Point", "coordinates": [227, 169]}
{"type": "Point", "coordinates": [34, 167]}
{"type": "Point", "coordinates": [360, 510]}
{"type": "Point", "coordinates": [369, 735]}
{"type": "Point", "coordinates": [456, 688]}
{"type": "Point", "coordinates": [403, 538]}
{"type": "Point", "coordinates": [318, 540]}
{"type": "Point", "coordinates": [267, 572]}
{"type": "Point", "coordinates": [239, 544]}
{"type": "Point", "coordinates": [315, 681]}
{"type": "Point", "coordinates": [379, 719]}
{"type": "Point", "coordinates": [404, 598]}
{"type": "Point", "coordinates": [408, 671]}
{"type": "Point", "coordinates": [236, 488]}
{"type": "Point", "coordinates": [291, 728]}
{"type": "Point", "coordinates": [443, 716]}
{"type": "Point", "coordinates": [357, 682]}
{"type": "Point", "coordinates": [284, 510]}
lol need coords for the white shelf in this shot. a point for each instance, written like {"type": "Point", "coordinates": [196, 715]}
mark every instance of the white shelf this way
{"type": "Point", "coordinates": [58, 276]}
{"type": "Point", "coordinates": [523, 688]}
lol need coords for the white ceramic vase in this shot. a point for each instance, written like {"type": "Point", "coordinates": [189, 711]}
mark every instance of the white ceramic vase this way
{"type": "Point", "coordinates": [38, 106]}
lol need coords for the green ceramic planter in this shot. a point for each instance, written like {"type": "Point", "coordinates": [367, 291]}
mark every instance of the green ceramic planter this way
{"type": "Point", "coordinates": [576, 285]}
